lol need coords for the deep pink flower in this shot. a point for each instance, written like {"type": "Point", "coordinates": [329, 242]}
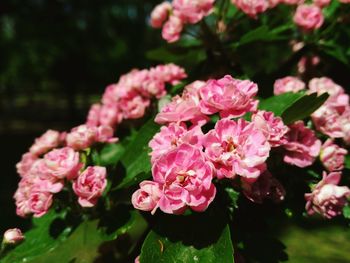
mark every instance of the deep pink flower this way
{"type": "Point", "coordinates": [332, 156]}
{"type": "Point", "coordinates": [160, 14]}
{"type": "Point", "coordinates": [169, 73]}
{"type": "Point", "coordinates": [302, 147]}
{"type": "Point", "coordinates": [46, 142]}
{"type": "Point", "coordinates": [105, 134]}
{"type": "Point", "coordinates": [172, 29]}
{"type": "Point", "coordinates": [40, 202]}
{"type": "Point", "coordinates": [237, 148]}
{"type": "Point", "coordinates": [26, 163]}
{"type": "Point", "coordinates": [272, 127]}
{"type": "Point", "coordinates": [147, 197]}
{"type": "Point", "coordinates": [93, 118]}
{"type": "Point", "coordinates": [110, 115]}
{"type": "Point", "coordinates": [13, 236]}
{"type": "Point", "coordinates": [62, 163]}
{"type": "Point", "coordinates": [172, 136]}
{"type": "Point", "coordinates": [288, 84]}
{"type": "Point", "coordinates": [192, 11]}
{"type": "Point", "coordinates": [184, 108]}
{"type": "Point", "coordinates": [327, 198]}
{"type": "Point", "coordinates": [133, 106]}
{"type": "Point", "coordinates": [252, 7]}
{"type": "Point", "coordinates": [308, 17]}
{"type": "Point", "coordinates": [90, 185]}
{"type": "Point", "coordinates": [186, 180]}
{"type": "Point", "coordinates": [228, 96]}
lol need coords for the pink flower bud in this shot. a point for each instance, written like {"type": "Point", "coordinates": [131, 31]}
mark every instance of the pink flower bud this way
{"type": "Point", "coordinates": [147, 197]}
{"type": "Point", "coordinates": [13, 236]}
{"type": "Point", "coordinates": [308, 17]}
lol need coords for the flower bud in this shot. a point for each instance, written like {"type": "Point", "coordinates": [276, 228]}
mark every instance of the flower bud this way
{"type": "Point", "coordinates": [13, 236]}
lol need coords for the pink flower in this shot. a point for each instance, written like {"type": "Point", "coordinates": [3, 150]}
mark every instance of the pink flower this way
{"type": "Point", "coordinates": [186, 180]}
{"type": "Point", "coordinates": [81, 137]}
{"type": "Point", "coordinates": [172, 29]}
{"type": "Point", "coordinates": [332, 156]}
{"type": "Point", "coordinates": [13, 236]}
{"type": "Point", "coordinates": [93, 118]}
{"type": "Point", "coordinates": [184, 108]}
{"type": "Point", "coordinates": [192, 11]}
{"type": "Point", "coordinates": [62, 163]}
{"type": "Point", "coordinates": [110, 115]}
{"type": "Point", "coordinates": [26, 163]}
{"type": "Point", "coordinates": [21, 197]}
{"type": "Point", "coordinates": [308, 17]}
{"type": "Point", "coordinates": [265, 187]}
{"type": "Point", "coordinates": [137, 259]}
{"type": "Point", "coordinates": [170, 73]}
{"type": "Point", "coordinates": [160, 14]}
{"type": "Point", "coordinates": [40, 202]}
{"type": "Point", "coordinates": [327, 198]}
{"type": "Point", "coordinates": [147, 197]}
{"type": "Point", "coordinates": [237, 148]}
{"type": "Point", "coordinates": [323, 85]}
{"type": "Point", "coordinates": [293, 2]}
{"type": "Point", "coordinates": [228, 96]}
{"type": "Point", "coordinates": [344, 1]}
{"type": "Point", "coordinates": [172, 136]}
{"type": "Point", "coordinates": [105, 134]}
{"type": "Point", "coordinates": [90, 185]}
{"type": "Point", "coordinates": [322, 3]}
{"type": "Point", "coordinates": [306, 62]}
{"type": "Point", "coordinates": [288, 84]}
{"type": "Point", "coordinates": [134, 106]}
{"type": "Point", "coordinates": [272, 127]}
{"type": "Point", "coordinates": [252, 7]}
{"type": "Point", "coordinates": [46, 142]}
{"type": "Point", "coordinates": [302, 147]}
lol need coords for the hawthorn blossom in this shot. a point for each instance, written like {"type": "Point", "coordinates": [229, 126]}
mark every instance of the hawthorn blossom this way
{"type": "Point", "coordinates": [185, 178]}
{"type": "Point", "coordinates": [93, 118]}
{"type": "Point", "coordinates": [49, 140]}
{"type": "Point", "coordinates": [90, 185]}
{"type": "Point", "coordinates": [327, 198]}
{"type": "Point", "coordinates": [147, 197]}
{"type": "Point", "coordinates": [308, 17]}
{"type": "Point", "coordinates": [251, 7]}
{"type": "Point", "coordinates": [288, 84]}
{"type": "Point", "coordinates": [272, 127]}
{"type": "Point", "coordinates": [237, 148]}
{"type": "Point", "coordinates": [27, 161]}
{"type": "Point", "coordinates": [160, 14]}
{"type": "Point", "coordinates": [322, 3]}
{"type": "Point", "coordinates": [332, 156]}
{"type": "Point", "coordinates": [40, 202]}
{"type": "Point", "coordinates": [228, 96]}
{"type": "Point", "coordinates": [302, 145]}
{"type": "Point", "coordinates": [172, 29]}
{"type": "Point", "coordinates": [192, 11]}
{"type": "Point", "coordinates": [13, 236]}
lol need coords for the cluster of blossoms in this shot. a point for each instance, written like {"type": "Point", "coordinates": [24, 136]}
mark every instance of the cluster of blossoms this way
{"type": "Point", "coordinates": [130, 97]}
{"type": "Point", "coordinates": [172, 17]}
{"type": "Point", "coordinates": [186, 162]}
{"type": "Point", "coordinates": [55, 159]}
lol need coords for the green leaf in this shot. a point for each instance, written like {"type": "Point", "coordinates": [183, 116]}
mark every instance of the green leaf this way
{"type": "Point", "coordinates": [303, 107]}
{"type": "Point", "coordinates": [38, 240]}
{"type": "Point", "coordinates": [347, 161]}
{"type": "Point", "coordinates": [346, 211]}
{"type": "Point", "coordinates": [335, 51]}
{"type": "Point", "coordinates": [136, 158]}
{"type": "Point", "coordinates": [111, 154]}
{"type": "Point", "coordinates": [278, 104]}
{"type": "Point", "coordinates": [198, 238]}
{"type": "Point", "coordinates": [233, 196]}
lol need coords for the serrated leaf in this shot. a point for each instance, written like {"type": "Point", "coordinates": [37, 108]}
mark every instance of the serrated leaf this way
{"type": "Point", "coordinates": [197, 238]}
{"type": "Point", "coordinates": [136, 158]}
{"type": "Point", "coordinates": [303, 107]}
{"type": "Point", "coordinates": [278, 104]}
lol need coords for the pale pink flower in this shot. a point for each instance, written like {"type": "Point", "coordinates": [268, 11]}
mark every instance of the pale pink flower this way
{"type": "Point", "coordinates": [293, 2]}
{"type": "Point", "coordinates": [26, 163]}
{"type": "Point", "coordinates": [327, 198]}
{"type": "Point", "coordinates": [110, 115]}
{"type": "Point", "coordinates": [137, 259]}
{"type": "Point", "coordinates": [228, 96]}
{"type": "Point", "coordinates": [323, 85]}
{"type": "Point", "coordinates": [172, 29]}
{"type": "Point", "coordinates": [62, 163]}
{"type": "Point", "coordinates": [105, 134]}
{"type": "Point", "coordinates": [332, 156]}
{"type": "Point", "coordinates": [133, 106]}
{"type": "Point", "coordinates": [186, 180]}
{"type": "Point", "coordinates": [308, 17]}
{"type": "Point", "coordinates": [93, 118]}
{"type": "Point", "coordinates": [302, 147]}
{"type": "Point", "coordinates": [345, 125]}
{"type": "Point", "coordinates": [40, 202]}
{"type": "Point", "coordinates": [237, 148]}
{"type": "Point", "coordinates": [147, 197]}
{"type": "Point", "coordinates": [13, 236]}
{"type": "Point", "coordinates": [306, 61]}
{"type": "Point", "coordinates": [21, 197]}
{"type": "Point", "coordinates": [172, 136]}
{"type": "Point", "coordinates": [170, 73]}
{"type": "Point", "coordinates": [49, 140]}
{"type": "Point", "coordinates": [265, 187]}
{"type": "Point", "coordinates": [322, 3]}
{"type": "Point", "coordinates": [192, 11]}
{"type": "Point", "coordinates": [81, 137]}
{"type": "Point", "coordinates": [184, 108]}
{"type": "Point", "coordinates": [273, 3]}
{"type": "Point", "coordinates": [251, 7]}
{"type": "Point", "coordinates": [89, 185]}
{"type": "Point", "coordinates": [109, 96]}
{"type": "Point", "coordinates": [288, 84]}
{"type": "Point", "coordinates": [160, 14]}
{"type": "Point", "coordinates": [272, 127]}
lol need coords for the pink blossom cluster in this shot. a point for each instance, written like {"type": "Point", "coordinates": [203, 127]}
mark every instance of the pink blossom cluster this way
{"type": "Point", "coordinates": [172, 17]}
{"type": "Point", "coordinates": [130, 97]}
{"type": "Point", "coordinates": [185, 161]}
{"type": "Point", "coordinates": [327, 198]}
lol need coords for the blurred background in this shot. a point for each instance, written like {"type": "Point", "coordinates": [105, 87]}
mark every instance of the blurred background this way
{"type": "Point", "coordinates": [56, 58]}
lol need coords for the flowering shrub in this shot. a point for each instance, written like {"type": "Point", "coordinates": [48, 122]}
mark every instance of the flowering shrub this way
{"type": "Point", "coordinates": [168, 153]}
